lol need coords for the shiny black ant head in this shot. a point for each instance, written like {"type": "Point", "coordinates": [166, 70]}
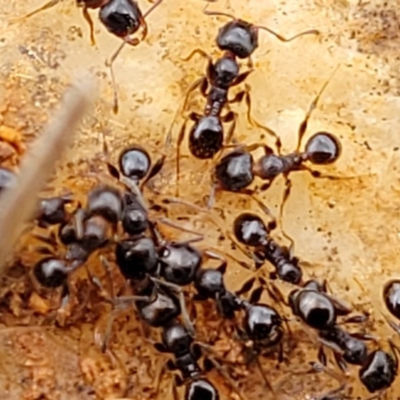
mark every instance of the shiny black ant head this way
{"type": "Point", "coordinates": [201, 389]}
{"type": "Point", "coordinates": [209, 282]}
{"type": "Point", "coordinates": [235, 171]}
{"type": "Point", "coordinates": [224, 72]}
{"type": "Point", "coordinates": [7, 178]}
{"type": "Point", "coordinates": [251, 230]}
{"type": "Point", "coordinates": [179, 263]}
{"type": "Point", "coordinates": [134, 217]}
{"type": "Point", "coordinates": [50, 272]}
{"type": "Point", "coordinates": [391, 297]}
{"type": "Point", "coordinates": [121, 17]}
{"type": "Point", "coordinates": [136, 257]}
{"type": "Point", "coordinates": [263, 324]}
{"type": "Point", "coordinates": [161, 311]}
{"type": "Point", "coordinates": [378, 372]}
{"type": "Point", "coordinates": [105, 201]}
{"type": "Point", "coordinates": [239, 37]}
{"type": "Point", "coordinates": [52, 211]}
{"type": "Point", "coordinates": [269, 166]}
{"type": "Point", "coordinates": [177, 339]}
{"type": "Point", "coordinates": [134, 163]}
{"type": "Point", "coordinates": [206, 137]}
{"type": "Point", "coordinates": [323, 148]}
{"type": "Point", "coordinates": [314, 308]}
{"type": "Point", "coordinates": [290, 272]}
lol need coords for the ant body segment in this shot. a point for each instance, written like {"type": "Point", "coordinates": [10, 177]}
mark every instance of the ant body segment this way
{"type": "Point", "coordinates": [250, 230]}
{"type": "Point", "coordinates": [52, 211]}
{"type": "Point", "coordinates": [391, 298]}
{"type": "Point", "coordinates": [241, 37]}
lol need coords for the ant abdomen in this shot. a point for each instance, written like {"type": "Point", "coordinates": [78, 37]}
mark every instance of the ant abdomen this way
{"type": "Point", "coordinates": [323, 148]}
{"type": "Point", "coordinates": [121, 17]}
{"type": "Point", "coordinates": [206, 137]}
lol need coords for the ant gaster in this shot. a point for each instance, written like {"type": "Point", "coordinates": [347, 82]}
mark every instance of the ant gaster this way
{"type": "Point", "coordinates": [391, 298]}
{"type": "Point", "coordinates": [52, 211]}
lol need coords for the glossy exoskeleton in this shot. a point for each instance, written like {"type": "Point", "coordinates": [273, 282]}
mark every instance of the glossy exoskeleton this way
{"type": "Point", "coordinates": [241, 37]}
{"type": "Point", "coordinates": [105, 201]}
{"type": "Point", "coordinates": [315, 307]}
{"type": "Point", "coordinates": [237, 170]}
{"type": "Point", "coordinates": [250, 230]}
{"type": "Point", "coordinates": [379, 370]}
{"type": "Point", "coordinates": [52, 273]}
{"type": "Point", "coordinates": [177, 341]}
{"type": "Point", "coordinates": [354, 350]}
{"type": "Point", "coordinates": [391, 297]}
{"type": "Point", "coordinates": [52, 211]}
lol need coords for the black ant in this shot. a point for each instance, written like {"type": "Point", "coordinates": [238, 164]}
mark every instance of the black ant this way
{"type": "Point", "coordinates": [241, 37]}
{"type": "Point", "coordinates": [237, 170]}
{"type": "Point", "coordinates": [249, 229]}
{"type": "Point", "coordinates": [52, 211]}
{"type": "Point", "coordinates": [122, 18]}
{"type": "Point", "coordinates": [179, 342]}
{"type": "Point", "coordinates": [206, 137]}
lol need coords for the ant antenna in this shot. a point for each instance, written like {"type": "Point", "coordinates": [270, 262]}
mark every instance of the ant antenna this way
{"type": "Point", "coordinates": [45, 6]}
{"type": "Point", "coordinates": [313, 106]}
{"type": "Point", "coordinates": [133, 42]}
{"type": "Point", "coordinates": [217, 13]}
{"type": "Point", "coordinates": [286, 40]}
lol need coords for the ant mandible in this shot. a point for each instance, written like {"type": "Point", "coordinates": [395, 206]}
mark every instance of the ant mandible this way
{"type": "Point", "coordinates": [122, 18]}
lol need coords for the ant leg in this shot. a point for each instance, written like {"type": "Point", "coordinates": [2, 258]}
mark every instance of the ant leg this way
{"type": "Point", "coordinates": [252, 256]}
{"type": "Point", "coordinates": [185, 315]}
{"type": "Point", "coordinates": [152, 8]}
{"type": "Point", "coordinates": [155, 169]}
{"type": "Point", "coordinates": [89, 20]}
{"type": "Point", "coordinates": [230, 117]}
{"type": "Point", "coordinates": [303, 126]}
{"type": "Point", "coordinates": [320, 175]}
{"type": "Point", "coordinates": [198, 238]}
{"type": "Point", "coordinates": [265, 379]}
{"type": "Point", "coordinates": [283, 39]}
{"type": "Point", "coordinates": [45, 6]}
{"type": "Point", "coordinates": [288, 187]}
{"type": "Point", "coordinates": [110, 63]}
{"type": "Point", "coordinates": [241, 78]}
{"type": "Point", "coordinates": [215, 256]}
{"type": "Point", "coordinates": [201, 83]}
{"type": "Point", "coordinates": [252, 121]}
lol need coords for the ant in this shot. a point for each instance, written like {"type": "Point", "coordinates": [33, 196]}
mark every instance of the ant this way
{"type": "Point", "coordinates": [51, 211]}
{"type": "Point", "coordinates": [250, 230]}
{"type": "Point", "coordinates": [206, 137]}
{"type": "Point", "coordinates": [177, 341]}
{"type": "Point", "coordinates": [122, 18]}
{"type": "Point", "coordinates": [237, 170]}
{"type": "Point", "coordinates": [241, 37]}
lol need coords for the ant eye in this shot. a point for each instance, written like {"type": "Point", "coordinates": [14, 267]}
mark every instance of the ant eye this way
{"type": "Point", "coordinates": [134, 163]}
{"type": "Point", "coordinates": [323, 148]}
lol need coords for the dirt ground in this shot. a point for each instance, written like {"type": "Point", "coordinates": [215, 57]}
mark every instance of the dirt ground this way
{"type": "Point", "coordinates": [346, 231]}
